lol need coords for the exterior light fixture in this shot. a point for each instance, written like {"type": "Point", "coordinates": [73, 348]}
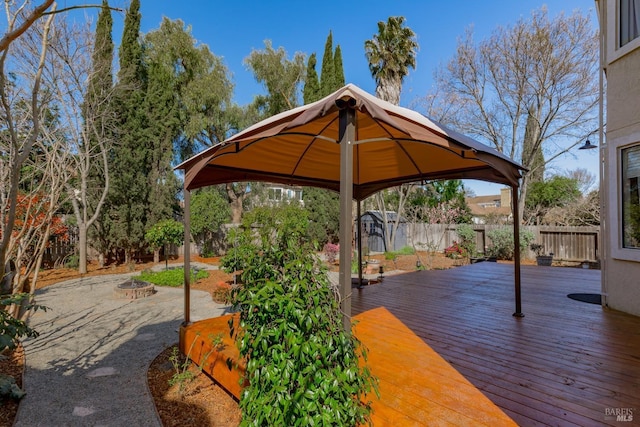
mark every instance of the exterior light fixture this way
{"type": "Point", "coordinates": [588, 145]}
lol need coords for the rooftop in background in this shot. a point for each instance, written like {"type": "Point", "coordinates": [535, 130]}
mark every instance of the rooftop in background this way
{"type": "Point", "coordinates": [498, 205]}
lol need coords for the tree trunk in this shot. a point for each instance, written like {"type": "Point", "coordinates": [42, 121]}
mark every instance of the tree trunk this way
{"type": "Point", "coordinates": [235, 202]}
{"type": "Point", "coordinates": [236, 211]}
{"type": "Point", "coordinates": [522, 197]}
{"type": "Point", "coordinates": [82, 248]}
{"type": "Point", "coordinates": [156, 255]}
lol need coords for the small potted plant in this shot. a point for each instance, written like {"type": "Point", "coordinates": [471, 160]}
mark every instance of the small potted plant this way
{"type": "Point", "coordinates": [541, 258]}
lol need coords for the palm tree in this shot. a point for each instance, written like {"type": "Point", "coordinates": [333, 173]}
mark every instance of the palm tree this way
{"type": "Point", "coordinates": [390, 54]}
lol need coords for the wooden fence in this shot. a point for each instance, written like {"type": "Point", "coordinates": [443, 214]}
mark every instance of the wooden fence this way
{"type": "Point", "coordinates": [566, 243]}
{"type": "Point", "coordinates": [574, 244]}
{"type": "Point", "coordinates": [59, 248]}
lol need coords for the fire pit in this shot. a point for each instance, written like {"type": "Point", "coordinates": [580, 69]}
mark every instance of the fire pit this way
{"type": "Point", "coordinates": [134, 289]}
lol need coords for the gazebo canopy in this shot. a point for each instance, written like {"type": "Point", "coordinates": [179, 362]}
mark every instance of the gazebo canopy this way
{"type": "Point", "coordinates": [393, 145]}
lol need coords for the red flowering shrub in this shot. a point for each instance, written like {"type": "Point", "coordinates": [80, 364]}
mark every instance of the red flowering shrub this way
{"type": "Point", "coordinates": [331, 252]}
{"type": "Point", "coordinates": [455, 251]}
{"type": "Point", "coordinates": [31, 213]}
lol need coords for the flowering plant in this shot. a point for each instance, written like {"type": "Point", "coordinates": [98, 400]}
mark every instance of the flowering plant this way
{"type": "Point", "coordinates": [455, 251]}
{"type": "Point", "coordinates": [331, 252]}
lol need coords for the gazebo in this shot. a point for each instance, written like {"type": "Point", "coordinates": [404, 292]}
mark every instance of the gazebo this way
{"type": "Point", "coordinates": [354, 143]}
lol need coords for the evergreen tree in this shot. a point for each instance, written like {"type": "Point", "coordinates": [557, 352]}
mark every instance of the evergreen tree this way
{"type": "Point", "coordinates": [130, 53]}
{"type": "Point", "coordinates": [338, 68]}
{"type": "Point", "coordinates": [163, 127]}
{"type": "Point", "coordinates": [101, 80]}
{"type": "Point", "coordinates": [129, 195]}
{"type": "Point", "coordinates": [311, 91]}
{"type": "Point", "coordinates": [327, 78]}
{"type": "Point", "coordinates": [531, 155]}
{"type": "Point", "coordinates": [323, 207]}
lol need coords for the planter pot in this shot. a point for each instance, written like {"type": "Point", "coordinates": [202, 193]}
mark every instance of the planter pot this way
{"type": "Point", "coordinates": [545, 260]}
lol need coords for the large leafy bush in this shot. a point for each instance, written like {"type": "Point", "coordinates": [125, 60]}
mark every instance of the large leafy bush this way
{"type": "Point", "coordinates": [502, 242]}
{"type": "Point", "coordinates": [302, 366]}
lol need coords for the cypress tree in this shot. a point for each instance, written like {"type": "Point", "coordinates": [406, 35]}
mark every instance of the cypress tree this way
{"type": "Point", "coordinates": [327, 82]}
{"type": "Point", "coordinates": [130, 53]}
{"type": "Point", "coordinates": [311, 91]}
{"type": "Point", "coordinates": [164, 125]}
{"type": "Point", "coordinates": [130, 167]}
{"type": "Point", "coordinates": [338, 68]}
{"type": "Point", "coordinates": [101, 80]}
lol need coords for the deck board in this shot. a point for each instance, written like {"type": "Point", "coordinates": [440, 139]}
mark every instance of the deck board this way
{"type": "Point", "coordinates": [564, 363]}
{"type": "Point", "coordinates": [417, 386]}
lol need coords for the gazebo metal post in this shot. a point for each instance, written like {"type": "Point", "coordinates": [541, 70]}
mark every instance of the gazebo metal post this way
{"type": "Point", "coordinates": [187, 256]}
{"type": "Point", "coordinates": [516, 250]}
{"type": "Point", "coordinates": [346, 136]}
{"type": "Point", "coordinates": [359, 234]}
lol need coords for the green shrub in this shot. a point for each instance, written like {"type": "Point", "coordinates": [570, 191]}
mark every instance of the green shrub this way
{"type": "Point", "coordinates": [467, 236]}
{"type": "Point", "coordinates": [207, 252]}
{"type": "Point", "coordinates": [392, 255]}
{"type": "Point", "coordinates": [502, 243]}
{"type": "Point", "coordinates": [11, 328]}
{"type": "Point", "coordinates": [173, 278]}
{"type": "Point", "coordinates": [407, 250]}
{"type": "Point", "coordinates": [9, 388]}
{"type": "Point", "coordinates": [72, 261]}
{"type": "Point", "coordinates": [303, 368]}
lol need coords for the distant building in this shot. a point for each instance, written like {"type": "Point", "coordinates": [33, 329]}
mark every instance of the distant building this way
{"type": "Point", "coordinates": [277, 194]}
{"type": "Point", "coordinates": [491, 209]}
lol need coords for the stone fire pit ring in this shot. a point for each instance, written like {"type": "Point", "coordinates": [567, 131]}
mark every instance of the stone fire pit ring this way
{"type": "Point", "coordinates": [134, 289]}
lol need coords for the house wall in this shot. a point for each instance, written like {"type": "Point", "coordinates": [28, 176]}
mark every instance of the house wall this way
{"type": "Point", "coordinates": [620, 285]}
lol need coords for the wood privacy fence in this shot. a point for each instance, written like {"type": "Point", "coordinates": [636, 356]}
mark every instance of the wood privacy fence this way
{"type": "Point", "coordinates": [566, 243]}
{"type": "Point", "coordinates": [59, 248]}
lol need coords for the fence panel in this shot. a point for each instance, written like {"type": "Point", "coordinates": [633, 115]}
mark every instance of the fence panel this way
{"type": "Point", "coordinates": [566, 243]}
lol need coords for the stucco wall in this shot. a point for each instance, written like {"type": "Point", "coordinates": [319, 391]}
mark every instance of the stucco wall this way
{"type": "Point", "coordinates": [623, 96]}
{"type": "Point", "coordinates": [621, 274]}
{"type": "Point", "coordinates": [624, 286]}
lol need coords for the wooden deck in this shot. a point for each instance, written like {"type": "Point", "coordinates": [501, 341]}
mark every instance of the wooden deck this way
{"type": "Point", "coordinates": [416, 385]}
{"type": "Point", "coordinates": [427, 391]}
{"type": "Point", "coordinates": [565, 363]}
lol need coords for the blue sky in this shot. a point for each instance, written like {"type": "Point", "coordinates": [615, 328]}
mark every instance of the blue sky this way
{"type": "Point", "coordinates": [232, 29]}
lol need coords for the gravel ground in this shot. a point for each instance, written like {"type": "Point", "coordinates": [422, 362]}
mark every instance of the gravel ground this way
{"type": "Point", "coordinates": [88, 366]}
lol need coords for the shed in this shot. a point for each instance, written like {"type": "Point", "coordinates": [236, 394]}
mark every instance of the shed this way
{"type": "Point", "coordinates": [374, 232]}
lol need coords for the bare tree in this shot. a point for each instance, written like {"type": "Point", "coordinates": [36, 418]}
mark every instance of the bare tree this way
{"type": "Point", "coordinates": [27, 194]}
{"type": "Point", "coordinates": [86, 126]}
{"type": "Point", "coordinates": [399, 196]}
{"type": "Point", "coordinates": [534, 81]}
{"type": "Point", "coordinates": [586, 180]}
{"type": "Point", "coordinates": [582, 212]}
{"type": "Point", "coordinates": [21, 17]}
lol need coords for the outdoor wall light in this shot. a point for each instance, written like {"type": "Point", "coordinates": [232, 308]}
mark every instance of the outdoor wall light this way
{"type": "Point", "coordinates": [588, 145]}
